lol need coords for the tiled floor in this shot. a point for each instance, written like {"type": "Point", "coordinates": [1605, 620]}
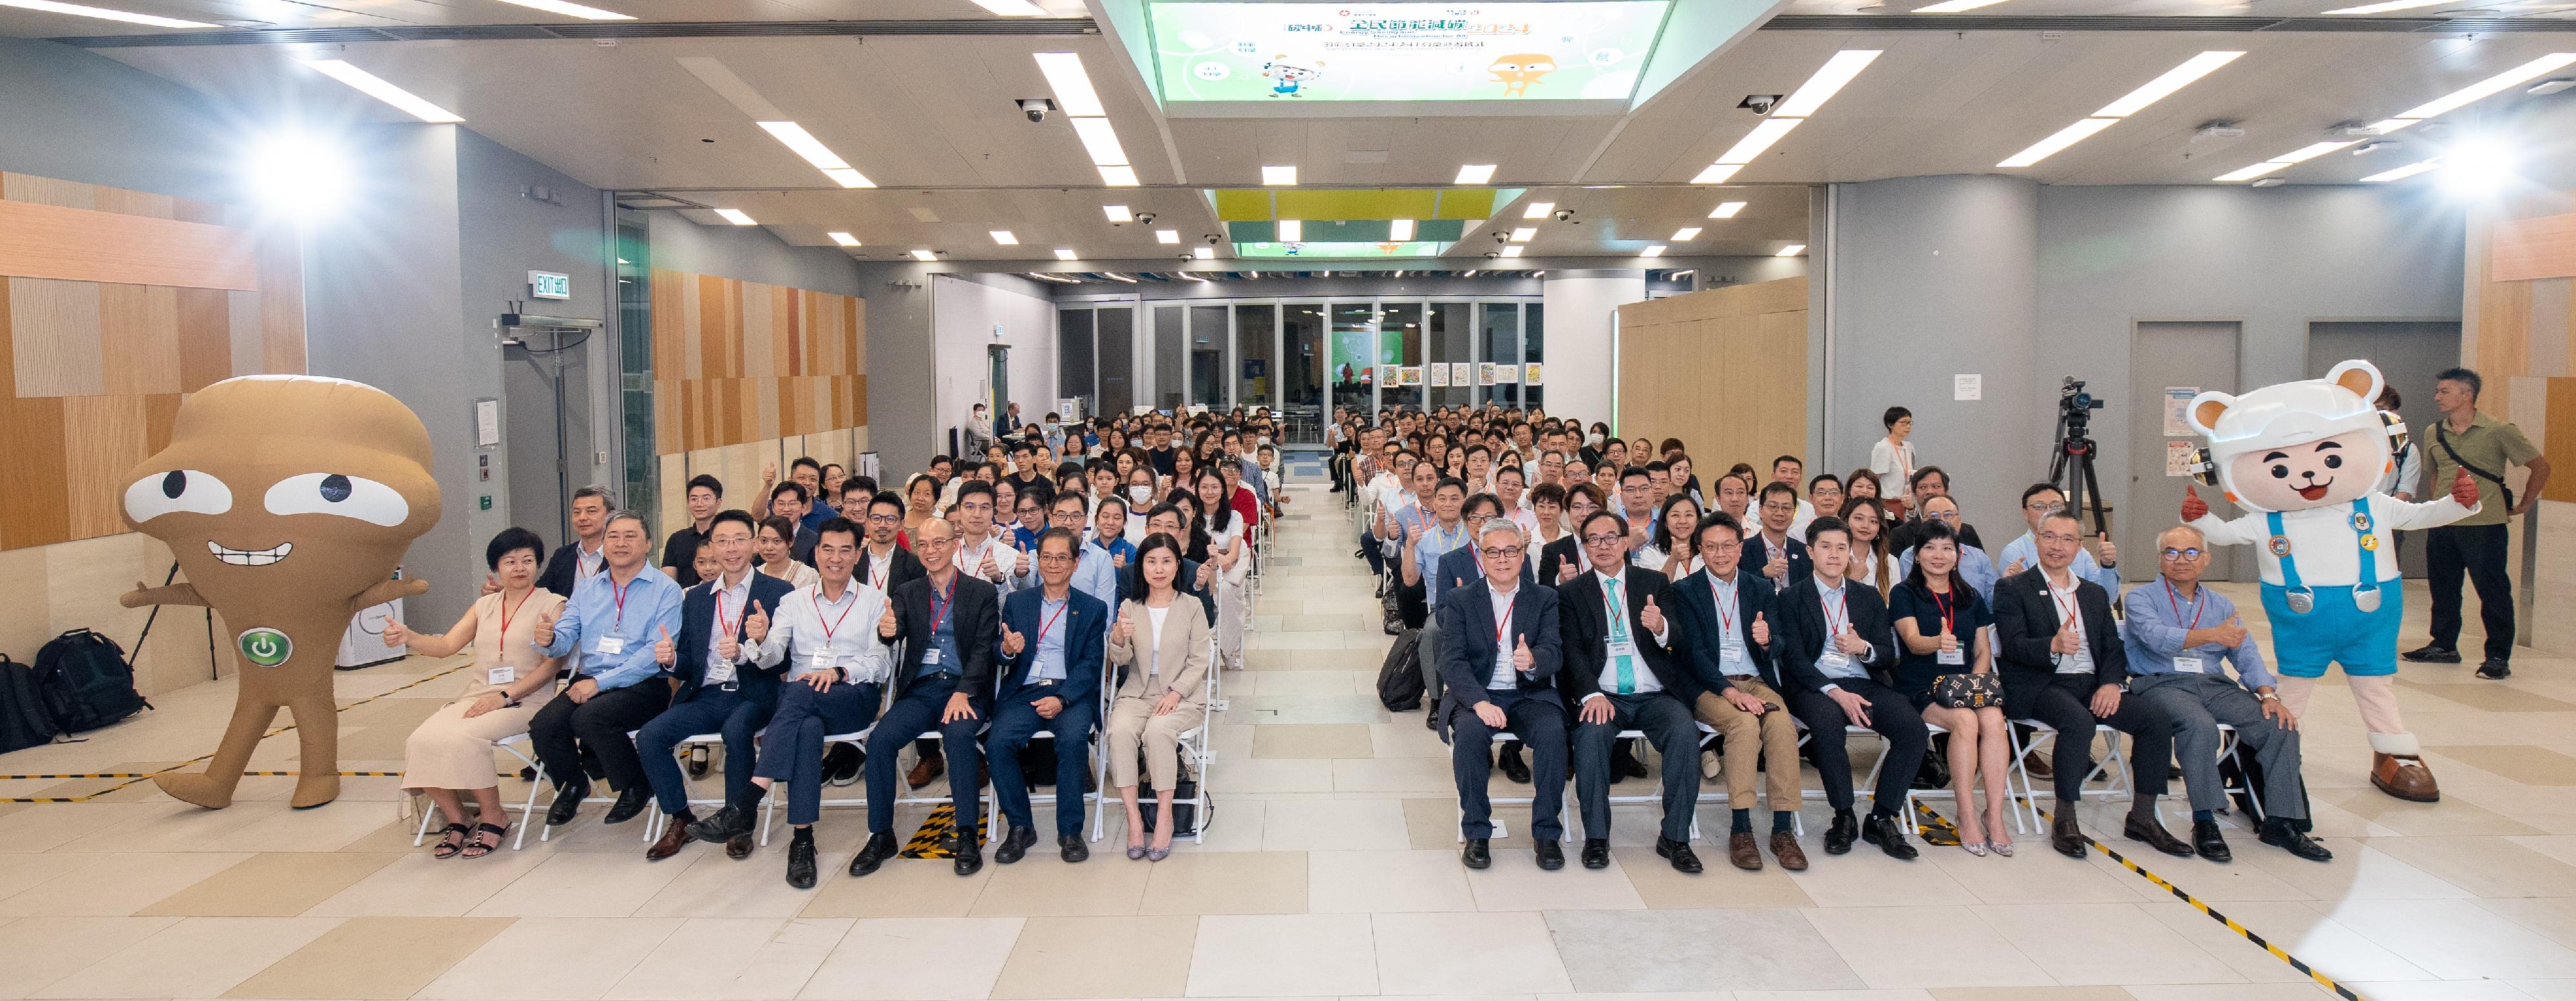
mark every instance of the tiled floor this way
{"type": "Point", "coordinates": [1329, 871]}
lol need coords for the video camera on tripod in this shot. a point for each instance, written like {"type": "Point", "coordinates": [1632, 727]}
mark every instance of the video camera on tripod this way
{"type": "Point", "coordinates": [2070, 464]}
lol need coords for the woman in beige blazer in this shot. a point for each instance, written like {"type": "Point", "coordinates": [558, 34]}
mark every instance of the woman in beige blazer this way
{"type": "Point", "coordinates": [1160, 689]}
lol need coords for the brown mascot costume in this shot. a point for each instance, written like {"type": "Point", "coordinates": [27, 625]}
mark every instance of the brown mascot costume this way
{"type": "Point", "coordinates": [288, 500]}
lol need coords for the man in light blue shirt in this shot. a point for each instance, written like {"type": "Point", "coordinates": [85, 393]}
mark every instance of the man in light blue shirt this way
{"type": "Point", "coordinates": [1975, 566]}
{"type": "Point", "coordinates": [1097, 572]}
{"type": "Point", "coordinates": [1427, 543]}
{"type": "Point", "coordinates": [2178, 635]}
{"type": "Point", "coordinates": [614, 618]}
{"type": "Point", "coordinates": [2023, 553]}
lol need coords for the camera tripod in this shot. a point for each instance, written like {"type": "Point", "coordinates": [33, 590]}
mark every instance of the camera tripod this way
{"type": "Point", "coordinates": [2070, 467]}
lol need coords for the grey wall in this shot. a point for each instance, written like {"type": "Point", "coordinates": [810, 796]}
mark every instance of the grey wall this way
{"type": "Point", "coordinates": [903, 424]}
{"type": "Point", "coordinates": [80, 116]}
{"type": "Point", "coordinates": [2024, 284]}
{"type": "Point", "coordinates": [750, 253]}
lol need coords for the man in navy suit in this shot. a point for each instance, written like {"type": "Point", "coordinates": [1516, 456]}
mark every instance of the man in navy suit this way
{"type": "Point", "coordinates": [1500, 663]}
{"type": "Point", "coordinates": [723, 684]}
{"type": "Point", "coordinates": [1052, 638]}
{"type": "Point", "coordinates": [1724, 617]}
{"type": "Point", "coordinates": [1458, 568]}
{"type": "Point", "coordinates": [949, 623]}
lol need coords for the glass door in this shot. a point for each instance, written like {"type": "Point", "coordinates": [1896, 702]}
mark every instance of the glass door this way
{"type": "Point", "coordinates": [1301, 373]}
{"type": "Point", "coordinates": [1354, 354]}
{"type": "Point", "coordinates": [1499, 344]}
{"type": "Point", "coordinates": [1210, 339]}
{"type": "Point", "coordinates": [1533, 353]}
{"type": "Point", "coordinates": [1115, 329]}
{"type": "Point", "coordinates": [1452, 355]}
{"type": "Point", "coordinates": [1256, 346]}
{"type": "Point", "coordinates": [1399, 345]}
{"type": "Point", "coordinates": [1073, 358]}
{"type": "Point", "coordinates": [1168, 356]}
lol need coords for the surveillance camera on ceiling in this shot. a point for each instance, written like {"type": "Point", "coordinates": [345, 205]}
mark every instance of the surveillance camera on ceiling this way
{"type": "Point", "coordinates": [1145, 217]}
{"type": "Point", "coordinates": [1036, 107]}
{"type": "Point", "coordinates": [1493, 254]}
{"type": "Point", "coordinates": [1760, 104]}
{"type": "Point", "coordinates": [1215, 238]}
{"type": "Point", "coordinates": [1564, 215]}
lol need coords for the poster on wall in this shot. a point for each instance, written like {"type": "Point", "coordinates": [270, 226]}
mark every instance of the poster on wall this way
{"type": "Point", "coordinates": [1507, 373]}
{"type": "Point", "coordinates": [1306, 52]}
{"type": "Point", "coordinates": [1386, 376]}
{"type": "Point", "coordinates": [2178, 458]}
{"type": "Point", "coordinates": [1462, 374]}
{"type": "Point", "coordinates": [1412, 375]}
{"type": "Point", "coordinates": [2178, 410]}
{"type": "Point", "coordinates": [1439, 375]}
{"type": "Point", "coordinates": [1485, 373]}
{"type": "Point", "coordinates": [1530, 373]}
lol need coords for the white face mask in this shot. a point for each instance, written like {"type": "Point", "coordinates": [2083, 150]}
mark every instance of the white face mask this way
{"type": "Point", "coordinates": [1265, 439]}
{"type": "Point", "coordinates": [1141, 494]}
{"type": "Point", "coordinates": [1051, 427]}
{"type": "Point", "coordinates": [1592, 439]}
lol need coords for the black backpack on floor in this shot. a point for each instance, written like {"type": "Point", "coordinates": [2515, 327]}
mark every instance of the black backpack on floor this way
{"type": "Point", "coordinates": [24, 721]}
{"type": "Point", "coordinates": [85, 681]}
{"type": "Point", "coordinates": [1399, 679]}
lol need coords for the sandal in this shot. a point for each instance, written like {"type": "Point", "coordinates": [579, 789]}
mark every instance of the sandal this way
{"type": "Point", "coordinates": [477, 848]}
{"type": "Point", "coordinates": [450, 841]}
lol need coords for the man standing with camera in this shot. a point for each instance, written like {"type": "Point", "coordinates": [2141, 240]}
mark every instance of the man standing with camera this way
{"type": "Point", "coordinates": [2487, 448]}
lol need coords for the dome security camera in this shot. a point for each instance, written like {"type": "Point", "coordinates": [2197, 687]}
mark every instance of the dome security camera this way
{"type": "Point", "coordinates": [1564, 215]}
{"type": "Point", "coordinates": [1145, 217]}
{"type": "Point", "coordinates": [1036, 108]}
{"type": "Point", "coordinates": [1215, 238]}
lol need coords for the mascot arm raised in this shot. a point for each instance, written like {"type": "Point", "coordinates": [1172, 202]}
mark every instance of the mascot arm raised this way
{"type": "Point", "coordinates": [388, 590]}
{"type": "Point", "coordinates": [171, 594]}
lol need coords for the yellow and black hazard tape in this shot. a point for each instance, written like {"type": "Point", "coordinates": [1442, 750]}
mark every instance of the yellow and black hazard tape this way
{"type": "Point", "coordinates": [134, 777]}
{"type": "Point", "coordinates": [1934, 828]}
{"type": "Point", "coordinates": [938, 830]}
{"type": "Point", "coordinates": [2203, 907]}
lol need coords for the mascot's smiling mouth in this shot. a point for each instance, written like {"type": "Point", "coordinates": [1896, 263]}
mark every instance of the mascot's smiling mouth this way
{"type": "Point", "coordinates": [2312, 493]}
{"type": "Point", "coordinates": [259, 557]}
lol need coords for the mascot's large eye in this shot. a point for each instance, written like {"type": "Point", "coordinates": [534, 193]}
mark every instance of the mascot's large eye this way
{"type": "Point", "coordinates": [335, 493]}
{"type": "Point", "coordinates": [2334, 462]}
{"type": "Point", "coordinates": [2280, 472]}
{"type": "Point", "coordinates": [177, 490]}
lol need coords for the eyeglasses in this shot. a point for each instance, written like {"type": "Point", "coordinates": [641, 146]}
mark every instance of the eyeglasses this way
{"type": "Point", "coordinates": [1603, 540]}
{"type": "Point", "coordinates": [1054, 558]}
{"type": "Point", "coordinates": [2171, 554]}
{"type": "Point", "coordinates": [2042, 507]}
{"type": "Point", "coordinates": [1498, 552]}
{"type": "Point", "coordinates": [1776, 506]}
{"type": "Point", "coordinates": [2060, 538]}
{"type": "Point", "coordinates": [1942, 515]}
{"type": "Point", "coordinates": [886, 519]}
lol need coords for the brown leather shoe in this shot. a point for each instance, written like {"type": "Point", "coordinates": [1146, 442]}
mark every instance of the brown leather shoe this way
{"type": "Point", "coordinates": [927, 770]}
{"type": "Point", "coordinates": [2405, 777]}
{"type": "Point", "coordinates": [2153, 835]}
{"type": "Point", "coordinates": [2067, 838]}
{"type": "Point", "coordinates": [2038, 764]}
{"type": "Point", "coordinates": [1784, 846]}
{"type": "Point", "coordinates": [674, 835]}
{"type": "Point", "coordinates": [1743, 851]}
{"type": "Point", "coordinates": [738, 847]}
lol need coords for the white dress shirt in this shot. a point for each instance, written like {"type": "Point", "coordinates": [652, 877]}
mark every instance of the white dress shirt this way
{"type": "Point", "coordinates": [2070, 616]}
{"type": "Point", "coordinates": [970, 559]}
{"type": "Point", "coordinates": [1614, 602]}
{"type": "Point", "coordinates": [731, 602]}
{"type": "Point", "coordinates": [819, 634]}
{"type": "Point", "coordinates": [1503, 679]}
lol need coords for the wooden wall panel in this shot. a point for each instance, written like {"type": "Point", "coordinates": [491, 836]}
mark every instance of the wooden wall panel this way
{"type": "Point", "coordinates": [51, 241]}
{"type": "Point", "coordinates": [2524, 249]}
{"type": "Point", "coordinates": [745, 362]}
{"type": "Point", "coordinates": [139, 338]}
{"type": "Point", "coordinates": [205, 336]}
{"type": "Point", "coordinates": [1724, 370]}
{"type": "Point", "coordinates": [2521, 333]}
{"type": "Point", "coordinates": [103, 437]}
{"type": "Point", "coordinates": [31, 449]}
{"type": "Point", "coordinates": [54, 337]}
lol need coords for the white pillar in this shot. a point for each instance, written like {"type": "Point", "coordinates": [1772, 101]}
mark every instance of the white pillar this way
{"type": "Point", "coordinates": [1581, 304]}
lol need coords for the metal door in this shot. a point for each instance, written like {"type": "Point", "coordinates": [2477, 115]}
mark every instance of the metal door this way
{"type": "Point", "coordinates": [2169, 356]}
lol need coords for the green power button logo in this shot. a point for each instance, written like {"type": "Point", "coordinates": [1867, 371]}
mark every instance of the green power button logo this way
{"type": "Point", "coordinates": [266, 647]}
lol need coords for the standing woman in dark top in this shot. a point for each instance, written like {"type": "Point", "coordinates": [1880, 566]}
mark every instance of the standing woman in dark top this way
{"type": "Point", "coordinates": [1941, 629]}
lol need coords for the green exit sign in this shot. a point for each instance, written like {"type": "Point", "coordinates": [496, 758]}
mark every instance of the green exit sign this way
{"type": "Point", "coordinates": [549, 285]}
{"type": "Point", "coordinates": [487, 502]}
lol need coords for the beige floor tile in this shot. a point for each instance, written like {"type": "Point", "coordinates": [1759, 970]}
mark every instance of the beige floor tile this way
{"type": "Point", "coordinates": [1396, 775]}
{"type": "Point", "coordinates": [2553, 917]}
{"type": "Point", "coordinates": [115, 884]}
{"type": "Point", "coordinates": [1722, 885]}
{"type": "Point", "coordinates": [20, 872]}
{"type": "Point", "coordinates": [2358, 872]}
{"type": "Point", "coordinates": [194, 958]}
{"type": "Point", "coordinates": [902, 888]}
{"type": "Point", "coordinates": [2295, 927]}
{"type": "Point", "coordinates": [1047, 887]}
{"type": "Point", "coordinates": [1905, 994]}
{"type": "Point", "coordinates": [38, 951]}
{"type": "Point", "coordinates": [722, 959]}
{"type": "Point", "coordinates": [2547, 990]}
{"type": "Point", "coordinates": [373, 958]}
{"type": "Point", "coordinates": [1466, 953]}
{"type": "Point", "coordinates": [2455, 939]}
{"type": "Point", "coordinates": [1318, 683]}
{"type": "Point", "coordinates": [713, 886]}
{"type": "Point", "coordinates": [1129, 957]}
{"type": "Point", "coordinates": [1271, 882]}
{"type": "Point", "coordinates": [1313, 824]}
{"type": "Point", "coordinates": [1925, 947]}
{"type": "Point", "coordinates": [2485, 866]}
{"type": "Point", "coordinates": [166, 825]}
{"type": "Point", "coordinates": [2242, 879]}
{"type": "Point", "coordinates": [552, 959]}
{"type": "Point", "coordinates": [2468, 990]}
{"type": "Point", "coordinates": [2031, 994]}
{"type": "Point", "coordinates": [1380, 882]}
{"type": "Point", "coordinates": [1868, 878]}
{"type": "Point", "coordinates": [271, 885]}
{"type": "Point", "coordinates": [323, 829]}
{"type": "Point", "coordinates": [580, 885]}
{"type": "Point", "coordinates": [43, 827]}
{"type": "Point", "coordinates": [1432, 824]}
{"type": "Point", "coordinates": [1276, 955]}
{"type": "Point", "coordinates": [1406, 738]}
{"type": "Point", "coordinates": [1636, 951]}
{"type": "Point", "coordinates": [2105, 944]}
{"type": "Point", "coordinates": [1313, 740]}
{"type": "Point", "coordinates": [2421, 819]}
{"type": "Point", "coordinates": [2038, 876]}
{"type": "Point", "coordinates": [1276, 709]}
{"type": "Point", "coordinates": [1516, 883]}
{"type": "Point", "coordinates": [901, 959]}
{"type": "Point", "coordinates": [2523, 763]}
{"type": "Point", "coordinates": [2229, 992]}
{"type": "Point", "coordinates": [1272, 775]}
{"type": "Point", "coordinates": [416, 885]}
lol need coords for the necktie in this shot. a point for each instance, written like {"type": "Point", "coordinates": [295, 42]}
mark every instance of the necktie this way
{"type": "Point", "coordinates": [1619, 635]}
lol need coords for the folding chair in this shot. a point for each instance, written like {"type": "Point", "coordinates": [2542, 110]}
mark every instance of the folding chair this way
{"type": "Point", "coordinates": [547, 831]}
{"type": "Point", "coordinates": [1913, 794]}
{"type": "Point", "coordinates": [1565, 831]}
{"type": "Point", "coordinates": [656, 820]}
{"type": "Point", "coordinates": [511, 746]}
{"type": "Point", "coordinates": [858, 739]}
{"type": "Point", "coordinates": [1655, 794]}
{"type": "Point", "coordinates": [1196, 749]}
{"type": "Point", "coordinates": [2113, 768]}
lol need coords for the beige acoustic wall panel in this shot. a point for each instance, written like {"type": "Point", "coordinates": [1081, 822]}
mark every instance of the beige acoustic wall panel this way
{"type": "Point", "coordinates": [1724, 370]}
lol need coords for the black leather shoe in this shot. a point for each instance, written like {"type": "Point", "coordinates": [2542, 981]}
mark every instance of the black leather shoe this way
{"type": "Point", "coordinates": [1551, 854]}
{"type": "Point", "coordinates": [1622, 764]}
{"type": "Point", "coordinates": [2209, 843]}
{"type": "Point", "coordinates": [879, 848]}
{"type": "Point", "coordinates": [842, 764]}
{"type": "Point", "coordinates": [1628, 758]}
{"type": "Point", "coordinates": [2295, 841]}
{"type": "Point", "coordinates": [723, 825]}
{"type": "Point", "coordinates": [2067, 838]}
{"type": "Point", "coordinates": [2432, 653]}
{"type": "Point", "coordinates": [1014, 846]}
{"type": "Point", "coordinates": [1596, 853]}
{"type": "Point", "coordinates": [2495, 669]}
{"type": "Point", "coordinates": [1840, 834]}
{"type": "Point", "coordinates": [567, 802]}
{"type": "Point", "coordinates": [629, 803]}
{"type": "Point", "coordinates": [1514, 768]}
{"type": "Point", "coordinates": [1881, 830]}
{"type": "Point", "coordinates": [1684, 859]}
{"type": "Point", "coordinates": [800, 863]}
{"type": "Point", "coordinates": [1478, 854]}
{"type": "Point", "coordinates": [970, 856]}
{"type": "Point", "coordinates": [2153, 834]}
{"type": "Point", "coordinates": [738, 847]}
{"type": "Point", "coordinates": [1072, 847]}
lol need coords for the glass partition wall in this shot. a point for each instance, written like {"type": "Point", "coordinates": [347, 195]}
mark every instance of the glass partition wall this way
{"type": "Point", "coordinates": [1300, 358]}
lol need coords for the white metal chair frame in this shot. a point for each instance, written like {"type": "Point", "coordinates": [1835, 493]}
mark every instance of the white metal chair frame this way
{"type": "Point", "coordinates": [509, 745]}
{"type": "Point", "coordinates": [1196, 748]}
{"type": "Point", "coordinates": [2113, 768]}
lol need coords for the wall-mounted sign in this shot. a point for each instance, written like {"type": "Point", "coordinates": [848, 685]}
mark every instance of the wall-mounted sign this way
{"type": "Point", "coordinates": [1301, 52]}
{"type": "Point", "coordinates": [549, 285]}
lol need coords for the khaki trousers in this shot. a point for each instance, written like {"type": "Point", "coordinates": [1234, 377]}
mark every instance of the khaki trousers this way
{"type": "Point", "coordinates": [1754, 742]}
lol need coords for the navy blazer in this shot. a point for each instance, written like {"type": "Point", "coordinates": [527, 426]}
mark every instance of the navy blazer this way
{"type": "Point", "coordinates": [1798, 638]}
{"type": "Point", "coordinates": [1581, 609]}
{"type": "Point", "coordinates": [976, 617]}
{"type": "Point", "coordinates": [1757, 554]}
{"type": "Point", "coordinates": [1085, 627]}
{"type": "Point", "coordinates": [907, 567]}
{"type": "Point", "coordinates": [2026, 623]}
{"type": "Point", "coordinates": [1468, 643]}
{"type": "Point", "coordinates": [697, 639]}
{"type": "Point", "coordinates": [1458, 567]}
{"type": "Point", "coordinates": [1697, 632]}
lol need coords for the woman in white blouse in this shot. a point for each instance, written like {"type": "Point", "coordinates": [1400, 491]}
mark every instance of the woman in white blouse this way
{"type": "Point", "coordinates": [1892, 458]}
{"type": "Point", "coordinates": [1227, 549]}
{"type": "Point", "coordinates": [775, 546]}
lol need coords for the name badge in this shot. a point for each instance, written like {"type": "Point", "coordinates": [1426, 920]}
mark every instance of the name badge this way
{"type": "Point", "coordinates": [1503, 661]}
{"type": "Point", "coordinates": [1730, 659]}
{"type": "Point", "coordinates": [1834, 662]}
{"type": "Point", "coordinates": [612, 645]}
{"type": "Point", "coordinates": [1622, 648]}
{"type": "Point", "coordinates": [2075, 663]}
{"type": "Point", "coordinates": [1951, 657]}
{"type": "Point", "coordinates": [501, 675]}
{"type": "Point", "coordinates": [930, 657]}
{"type": "Point", "coordinates": [2190, 665]}
{"type": "Point", "coordinates": [822, 660]}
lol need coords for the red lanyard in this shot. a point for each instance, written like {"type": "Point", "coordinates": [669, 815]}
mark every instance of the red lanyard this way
{"type": "Point", "coordinates": [835, 623]}
{"type": "Point", "coordinates": [620, 594]}
{"type": "Point", "coordinates": [1840, 612]}
{"type": "Point", "coordinates": [502, 642]}
{"type": "Point", "coordinates": [1725, 601]}
{"type": "Point", "coordinates": [1948, 621]}
{"type": "Point", "coordinates": [720, 616]}
{"type": "Point", "coordinates": [883, 569]}
{"type": "Point", "coordinates": [2174, 602]}
{"type": "Point", "coordinates": [1504, 626]}
{"type": "Point", "coordinates": [2068, 606]}
{"type": "Point", "coordinates": [1042, 626]}
{"type": "Point", "coordinates": [939, 604]}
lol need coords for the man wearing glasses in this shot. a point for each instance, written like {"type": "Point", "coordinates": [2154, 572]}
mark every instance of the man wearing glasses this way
{"type": "Point", "coordinates": [1774, 550]}
{"type": "Point", "coordinates": [2179, 636]}
{"type": "Point", "coordinates": [1501, 667]}
{"type": "Point", "coordinates": [2037, 501]}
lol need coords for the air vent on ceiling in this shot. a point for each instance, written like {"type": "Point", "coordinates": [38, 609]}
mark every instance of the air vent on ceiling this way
{"type": "Point", "coordinates": [603, 30]}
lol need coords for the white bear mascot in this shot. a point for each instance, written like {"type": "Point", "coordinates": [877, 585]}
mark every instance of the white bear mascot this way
{"type": "Point", "coordinates": [2303, 459]}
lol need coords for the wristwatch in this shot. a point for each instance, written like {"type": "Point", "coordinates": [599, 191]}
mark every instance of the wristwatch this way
{"type": "Point", "coordinates": [2268, 696]}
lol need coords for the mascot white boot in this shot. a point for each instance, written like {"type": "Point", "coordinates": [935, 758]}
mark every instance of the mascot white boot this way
{"type": "Point", "coordinates": [2303, 459]}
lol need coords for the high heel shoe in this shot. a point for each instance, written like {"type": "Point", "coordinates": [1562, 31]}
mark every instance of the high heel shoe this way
{"type": "Point", "coordinates": [1976, 848]}
{"type": "Point", "coordinates": [1158, 854]}
{"type": "Point", "coordinates": [2002, 848]}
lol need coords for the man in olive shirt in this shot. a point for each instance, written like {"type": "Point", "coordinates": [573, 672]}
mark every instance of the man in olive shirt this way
{"type": "Point", "coordinates": [2487, 447]}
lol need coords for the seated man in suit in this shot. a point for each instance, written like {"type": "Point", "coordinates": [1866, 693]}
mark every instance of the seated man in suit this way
{"type": "Point", "coordinates": [2064, 665]}
{"type": "Point", "coordinates": [1770, 549]}
{"type": "Point", "coordinates": [1620, 675]}
{"type": "Point", "coordinates": [1052, 638]}
{"type": "Point", "coordinates": [1831, 636]}
{"type": "Point", "coordinates": [725, 684]}
{"type": "Point", "coordinates": [950, 621]}
{"type": "Point", "coordinates": [1723, 615]}
{"type": "Point", "coordinates": [1501, 673]}
{"type": "Point", "coordinates": [1459, 567]}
